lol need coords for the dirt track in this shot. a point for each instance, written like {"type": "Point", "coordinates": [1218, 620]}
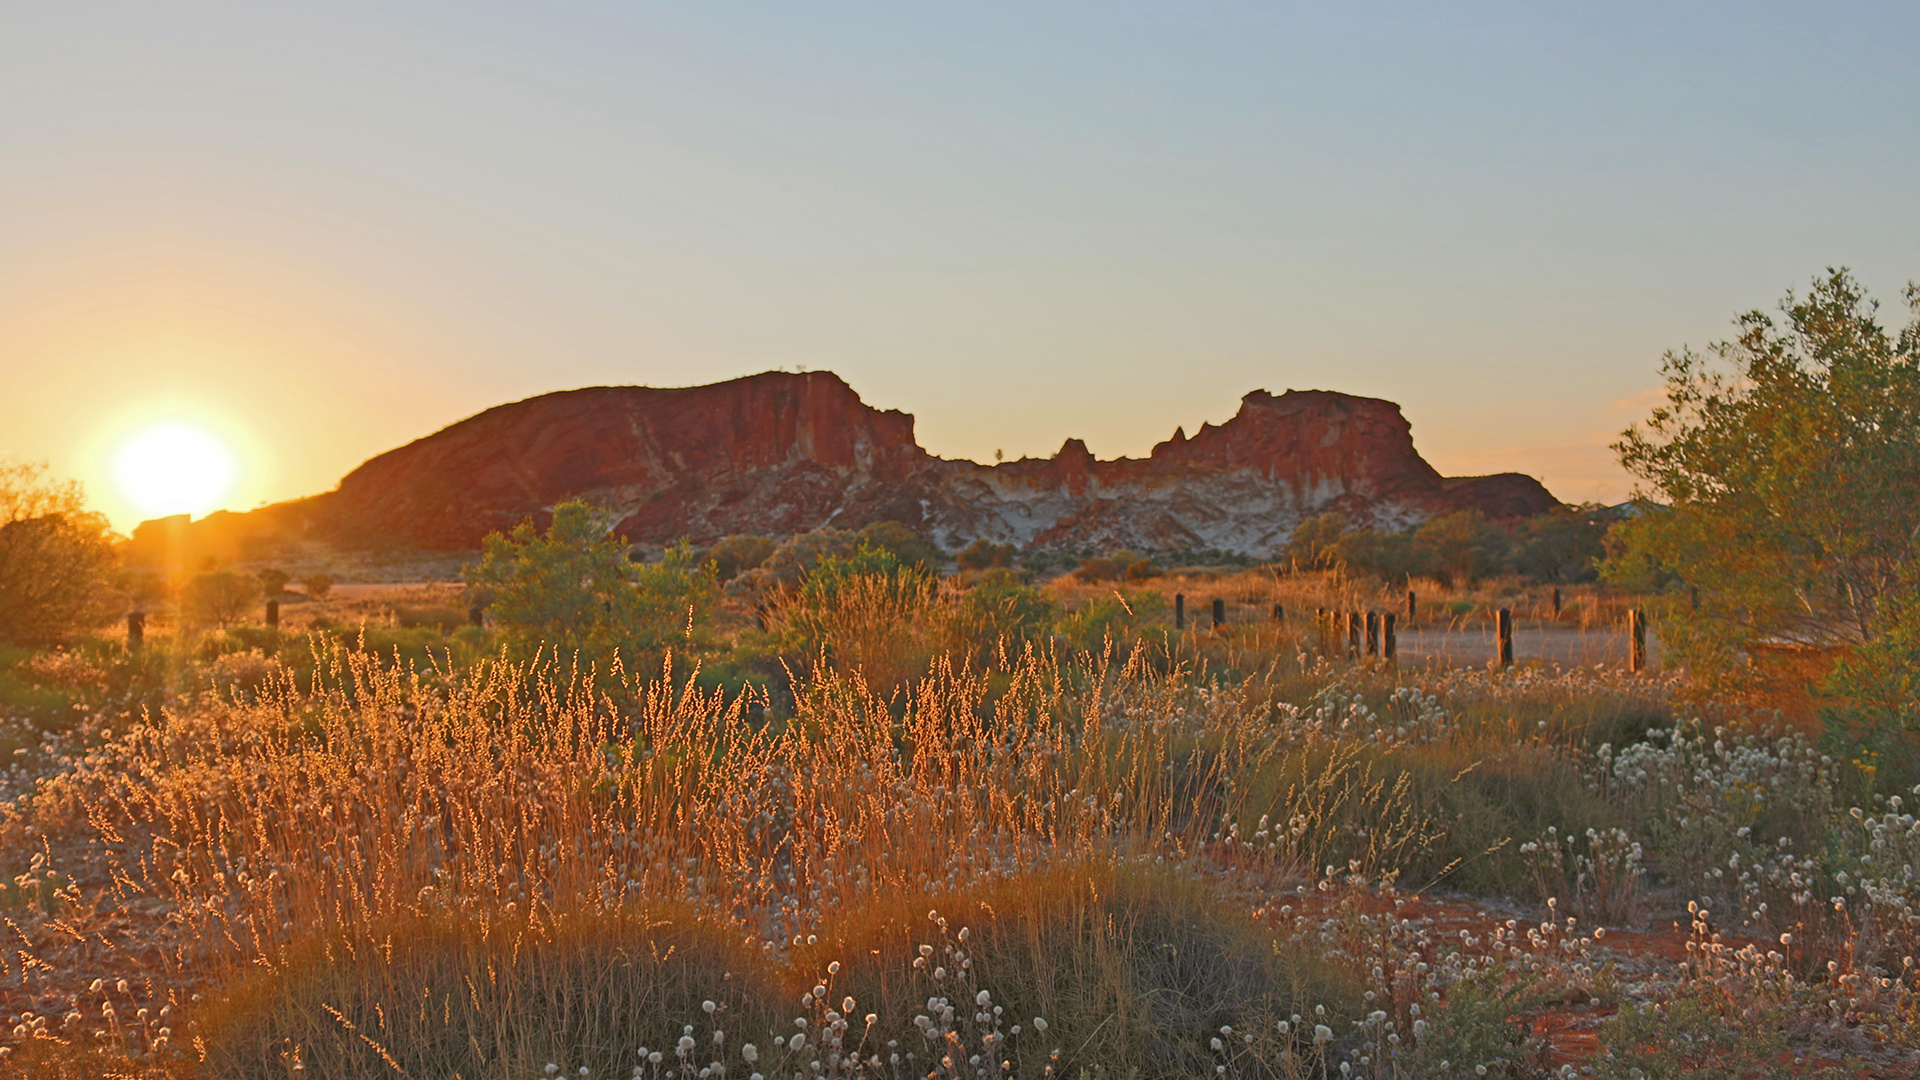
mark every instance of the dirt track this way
{"type": "Point", "coordinates": [1475, 647]}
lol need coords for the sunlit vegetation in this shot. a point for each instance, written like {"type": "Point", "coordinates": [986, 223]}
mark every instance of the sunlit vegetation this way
{"type": "Point", "coordinates": [841, 804]}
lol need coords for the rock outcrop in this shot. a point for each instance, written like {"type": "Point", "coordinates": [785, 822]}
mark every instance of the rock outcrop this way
{"type": "Point", "coordinates": [783, 453]}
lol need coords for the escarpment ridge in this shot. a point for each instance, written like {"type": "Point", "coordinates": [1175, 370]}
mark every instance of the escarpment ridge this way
{"type": "Point", "coordinates": [780, 453]}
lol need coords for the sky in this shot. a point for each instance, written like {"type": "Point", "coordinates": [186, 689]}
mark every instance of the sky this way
{"type": "Point", "coordinates": [320, 231]}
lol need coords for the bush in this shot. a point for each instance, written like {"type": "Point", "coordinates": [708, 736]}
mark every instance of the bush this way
{"type": "Point", "coordinates": [998, 608]}
{"type": "Point", "coordinates": [273, 581]}
{"type": "Point", "coordinates": [864, 612]}
{"type": "Point", "coordinates": [1122, 564]}
{"type": "Point", "coordinates": [56, 560]}
{"type": "Point", "coordinates": [735, 555]}
{"type": "Point", "coordinates": [904, 544]}
{"type": "Point", "coordinates": [318, 584]}
{"type": "Point", "coordinates": [1390, 557]}
{"type": "Point", "coordinates": [1311, 545]}
{"type": "Point", "coordinates": [1563, 546]}
{"type": "Point", "coordinates": [983, 554]}
{"type": "Point", "coordinates": [796, 556]}
{"type": "Point", "coordinates": [1460, 548]}
{"type": "Point", "coordinates": [219, 597]}
{"type": "Point", "coordinates": [573, 589]}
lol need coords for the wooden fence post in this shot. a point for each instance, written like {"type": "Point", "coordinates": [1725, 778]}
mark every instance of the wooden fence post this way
{"type": "Point", "coordinates": [1179, 611]}
{"type": "Point", "coordinates": [1279, 613]}
{"type": "Point", "coordinates": [1556, 603]}
{"type": "Point", "coordinates": [1353, 634]}
{"type": "Point", "coordinates": [1219, 613]}
{"type": "Point", "coordinates": [1373, 633]}
{"type": "Point", "coordinates": [476, 615]}
{"type": "Point", "coordinates": [136, 629]}
{"type": "Point", "coordinates": [1389, 641]}
{"type": "Point", "coordinates": [273, 614]}
{"type": "Point", "coordinates": [1637, 649]}
{"type": "Point", "coordinates": [1506, 637]}
{"type": "Point", "coordinates": [1413, 603]}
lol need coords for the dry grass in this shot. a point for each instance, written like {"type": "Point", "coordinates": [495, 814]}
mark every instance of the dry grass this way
{"type": "Point", "coordinates": [378, 812]}
{"type": "Point", "coordinates": [1182, 860]}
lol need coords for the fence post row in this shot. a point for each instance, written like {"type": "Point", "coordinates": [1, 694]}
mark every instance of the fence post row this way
{"type": "Point", "coordinates": [1506, 637]}
{"type": "Point", "coordinates": [1353, 634]}
{"type": "Point", "coordinates": [1179, 611]}
{"type": "Point", "coordinates": [1389, 643]}
{"type": "Point", "coordinates": [1219, 613]}
{"type": "Point", "coordinates": [1413, 603]}
{"type": "Point", "coordinates": [1373, 633]}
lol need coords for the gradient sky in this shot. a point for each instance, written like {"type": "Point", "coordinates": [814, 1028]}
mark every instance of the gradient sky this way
{"type": "Point", "coordinates": [327, 229]}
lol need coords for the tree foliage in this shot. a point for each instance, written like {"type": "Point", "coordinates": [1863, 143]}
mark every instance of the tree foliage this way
{"type": "Point", "coordinates": [220, 597]}
{"type": "Point", "coordinates": [56, 559]}
{"type": "Point", "coordinates": [1780, 476]}
{"type": "Point", "coordinates": [573, 589]}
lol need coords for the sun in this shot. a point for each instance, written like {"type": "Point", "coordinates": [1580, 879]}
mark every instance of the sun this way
{"type": "Point", "coordinates": [174, 467]}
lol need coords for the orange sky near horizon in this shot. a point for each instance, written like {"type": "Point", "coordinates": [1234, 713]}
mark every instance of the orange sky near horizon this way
{"type": "Point", "coordinates": [322, 231]}
{"type": "Point", "coordinates": [302, 399]}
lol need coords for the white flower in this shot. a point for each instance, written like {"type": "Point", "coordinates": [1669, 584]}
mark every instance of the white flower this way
{"type": "Point", "coordinates": [750, 1053]}
{"type": "Point", "coordinates": [1040, 1025]}
{"type": "Point", "coordinates": [1322, 1034]}
{"type": "Point", "coordinates": [707, 1007]}
{"type": "Point", "coordinates": [797, 1042]}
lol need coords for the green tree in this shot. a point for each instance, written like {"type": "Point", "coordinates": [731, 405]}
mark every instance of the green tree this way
{"type": "Point", "coordinates": [220, 597]}
{"type": "Point", "coordinates": [1461, 548]}
{"type": "Point", "coordinates": [1391, 557]}
{"type": "Point", "coordinates": [573, 589]}
{"type": "Point", "coordinates": [1563, 545]}
{"type": "Point", "coordinates": [1787, 461]}
{"type": "Point", "coordinates": [56, 559]}
{"type": "Point", "coordinates": [1311, 545]}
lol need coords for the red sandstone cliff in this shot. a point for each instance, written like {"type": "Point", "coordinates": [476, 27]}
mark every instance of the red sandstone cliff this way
{"type": "Point", "coordinates": [782, 453]}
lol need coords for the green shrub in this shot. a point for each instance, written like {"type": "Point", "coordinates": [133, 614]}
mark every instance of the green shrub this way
{"type": "Point", "coordinates": [735, 555]}
{"type": "Point", "coordinates": [318, 584]}
{"type": "Point", "coordinates": [220, 597]}
{"type": "Point", "coordinates": [983, 554]}
{"type": "Point", "coordinates": [573, 589]}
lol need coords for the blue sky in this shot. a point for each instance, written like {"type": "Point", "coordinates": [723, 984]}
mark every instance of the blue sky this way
{"type": "Point", "coordinates": [328, 229]}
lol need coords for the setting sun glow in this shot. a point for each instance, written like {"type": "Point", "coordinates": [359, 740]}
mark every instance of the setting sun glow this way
{"type": "Point", "coordinates": [175, 467]}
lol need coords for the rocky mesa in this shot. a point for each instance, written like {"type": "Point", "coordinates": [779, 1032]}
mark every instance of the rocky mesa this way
{"type": "Point", "coordinates": [782, 453]}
